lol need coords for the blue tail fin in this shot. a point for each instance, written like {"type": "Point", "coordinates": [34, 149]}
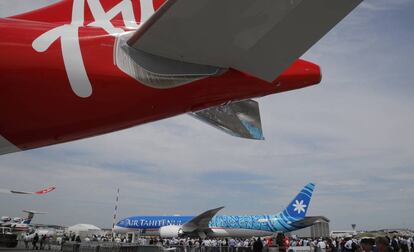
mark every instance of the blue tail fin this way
{"type": "Point", "coordinates": [297, 209]}
{"type": "Point", "coordinates": [30, 214]}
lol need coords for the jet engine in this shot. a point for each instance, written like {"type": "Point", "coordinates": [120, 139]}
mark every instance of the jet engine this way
{"type": "Point", "coordinates": [171, 231]}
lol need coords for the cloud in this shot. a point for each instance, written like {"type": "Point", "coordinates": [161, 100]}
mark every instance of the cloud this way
{"type": "Point", "coordinates": [384, 5]}
{"type": "Point", "coordinates": [351, 135]}
{"type": "Point", "coordinates": [11, 8]}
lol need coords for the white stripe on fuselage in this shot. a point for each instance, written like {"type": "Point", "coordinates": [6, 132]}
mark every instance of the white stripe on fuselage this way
{"type": "Point", "coordinates": [238, 232]}
{"type": "Point", "coordinates": [6, 146]}
{"type": "Point", "coordinates": [215, 232]}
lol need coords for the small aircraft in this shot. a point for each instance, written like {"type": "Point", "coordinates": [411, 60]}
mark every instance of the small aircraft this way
{"type": "Point", "coordinates": [19, 224]}
{"type": "Point", "coordinates": [208, 224]}
{"type": "Point", "coordinates": [40, 192]}
{"type": "Point", "coordinates": [81, 68]}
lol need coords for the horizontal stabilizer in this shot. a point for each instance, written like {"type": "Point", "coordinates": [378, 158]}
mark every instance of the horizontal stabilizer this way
{"type": "Point", "coordinates": [308, 221]}
{"type": "Point", "coordinates": [262, 38]}
{"type": "Point", "coordinates": [241, 119]}
{"type": "Point", "coordinates": [34, 212]}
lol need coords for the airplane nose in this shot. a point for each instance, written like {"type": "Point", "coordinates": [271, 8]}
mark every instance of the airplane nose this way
{"type": "Point", "coordinates": [119, 229]}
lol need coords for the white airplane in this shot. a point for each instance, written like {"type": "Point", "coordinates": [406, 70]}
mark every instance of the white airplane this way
{"type": "Point", "coordinates": [19, 224]}
{"type": "Point", "coordinates": [48, 232]}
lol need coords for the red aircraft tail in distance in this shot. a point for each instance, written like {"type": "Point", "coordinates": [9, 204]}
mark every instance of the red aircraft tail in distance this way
{"type": "Point", "coordinates": [40, 192]}
{"type": "Point", "coordinates": [46, 190]}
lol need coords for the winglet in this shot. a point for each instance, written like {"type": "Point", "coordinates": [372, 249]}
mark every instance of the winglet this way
{"type": "Point", "coordinates": [299, 206]}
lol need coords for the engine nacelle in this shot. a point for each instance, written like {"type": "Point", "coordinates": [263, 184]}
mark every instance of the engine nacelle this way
{"type": "Point", "coordinates": [171, 231]}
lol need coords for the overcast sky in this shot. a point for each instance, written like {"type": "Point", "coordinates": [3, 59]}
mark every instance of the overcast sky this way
{"type": "Point", "coordinates": [352, 135]}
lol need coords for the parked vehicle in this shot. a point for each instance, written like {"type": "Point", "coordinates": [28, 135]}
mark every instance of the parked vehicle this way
{"type": "Point", "coordinates": [7, 238]}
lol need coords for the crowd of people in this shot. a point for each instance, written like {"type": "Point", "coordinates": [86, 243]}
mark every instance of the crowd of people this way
{"type": "Point", "coordinates": [38, 242]}
{"type": "Point", "coordinates": [378, 244]}
{"type": "Point", "coordinates": [284, 243]}
{"type": "Point", "coordinates": [208, 242]}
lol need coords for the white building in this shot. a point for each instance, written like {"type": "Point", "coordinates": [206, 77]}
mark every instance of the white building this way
{"type": "Point", "coordinates": [84, 230]}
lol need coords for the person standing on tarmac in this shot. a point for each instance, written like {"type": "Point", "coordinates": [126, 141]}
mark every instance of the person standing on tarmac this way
{"type": "Point", "coordinates": [26, 240]}
{"type": "Point", "coordinates": [367, 245]}
{"type": "Point", "coordinates": [330, 247]}
{"type": "Point", "coordinates": [42, 241]}
{"type": "Point", "coordinates": [395, 244]}
{"type": "Point", "coordinates": [34, 241]}
{"type": "Point", "coordinates": [258, 245]}
{"type": "Point", "coordinates": [383, 245]}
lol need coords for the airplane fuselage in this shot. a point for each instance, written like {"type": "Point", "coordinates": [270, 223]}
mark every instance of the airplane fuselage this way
{"type": "Point", "coordinates": [220, 225]}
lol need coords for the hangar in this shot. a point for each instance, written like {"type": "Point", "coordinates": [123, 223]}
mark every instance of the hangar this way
{"type": "Point", "coordinates": [319, 229]}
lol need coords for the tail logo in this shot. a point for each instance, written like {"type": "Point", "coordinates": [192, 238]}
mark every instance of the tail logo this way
{"type": "Point", "coordinates": [68, 35]}
{"type": "Point", "coordinates": [299, 206]}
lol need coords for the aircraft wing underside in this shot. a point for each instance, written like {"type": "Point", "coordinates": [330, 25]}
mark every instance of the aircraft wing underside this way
{"type": "Point", "coordinates": [241, 119]}
{"type": "Point", "coordinates": [261, 38]}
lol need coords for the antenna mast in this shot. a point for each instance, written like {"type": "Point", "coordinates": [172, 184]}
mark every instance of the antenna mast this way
{"type": "Point", "coordinates": [115, 212]}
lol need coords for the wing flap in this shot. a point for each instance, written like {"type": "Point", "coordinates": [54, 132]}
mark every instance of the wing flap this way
{"type": "Point", "coordinates": [258, 37]}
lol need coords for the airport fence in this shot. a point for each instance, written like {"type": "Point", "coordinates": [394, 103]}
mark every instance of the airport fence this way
{"type": "Point", "coordinates": [122, 247]}
{"type": "Point", "coordinates": [108, 247]}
